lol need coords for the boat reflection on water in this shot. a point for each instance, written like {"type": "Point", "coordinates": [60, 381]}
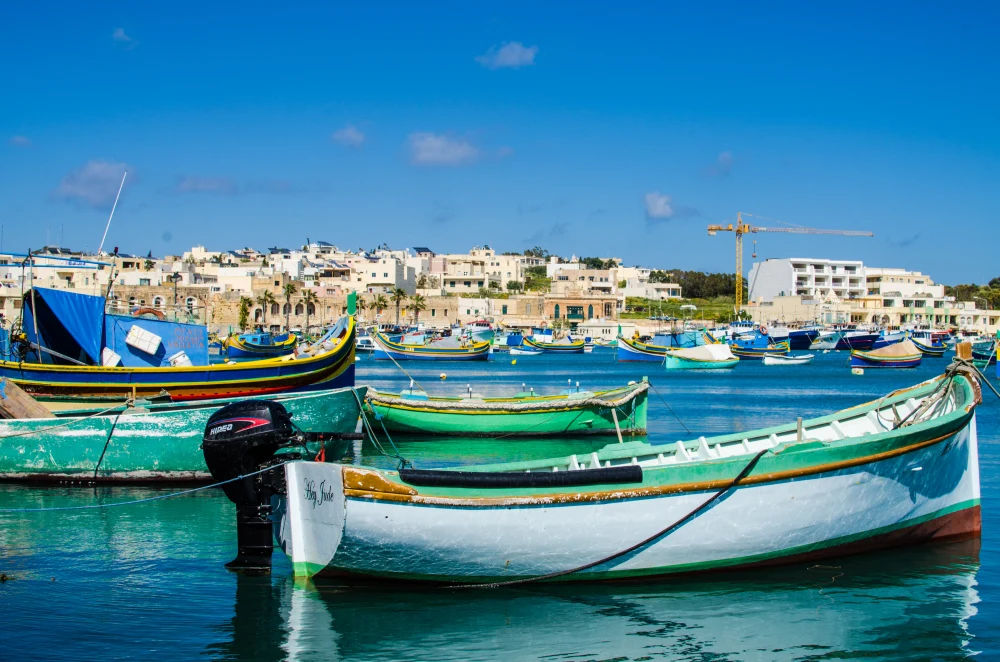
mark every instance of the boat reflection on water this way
{"type": "Point", "coordinates": [911, 603]}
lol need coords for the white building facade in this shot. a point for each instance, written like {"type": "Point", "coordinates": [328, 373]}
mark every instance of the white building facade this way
{"type": "Point", "coordinates": [807, 277]}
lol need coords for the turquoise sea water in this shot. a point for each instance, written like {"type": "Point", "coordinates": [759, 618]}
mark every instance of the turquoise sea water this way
{"type": "Point", "coordinates": [148, 581]}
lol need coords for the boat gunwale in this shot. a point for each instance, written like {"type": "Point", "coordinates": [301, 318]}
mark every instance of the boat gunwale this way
{"type": "Point", "coordinates": [953, 421]}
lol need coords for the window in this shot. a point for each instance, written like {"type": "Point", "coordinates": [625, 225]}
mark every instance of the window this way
{"type": "Point", "coordinates": [556, 312]}
{"type": "Point", "coordinates": [274, 309]}
{"type": "Point", "coordinates": [286, 309]}
{"type": "Point", "coordinates": [143, 281]}
{"type": "Point", "coordinates": [311, 309]}
{"type": "Point", "coordinates": [385, 275]}
{"type": "Point", "coordinates": [299, 309]}
{"type": "Point", "coordinates": [503, 310]}
{"type": "Point", "coordinates": [433, 312]}
{"type": "Point", "coordinates": [468, 283]}
{"type": "Point", "coordinates": [590, 312]}
{"type": "Point", "coordinates": [158, 302]}
{"type": "Point", "coordinates": [277, 283]}
{"type": "Point", "coordinates": [190, 302]}
{"type": "Point", "coordinates": [452, 284]}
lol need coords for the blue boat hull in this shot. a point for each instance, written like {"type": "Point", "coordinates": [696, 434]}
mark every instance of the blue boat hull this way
{"type": "Point", "coordinates": [802, 338]}
{"type": "Point", "coordinates": [862, 362]}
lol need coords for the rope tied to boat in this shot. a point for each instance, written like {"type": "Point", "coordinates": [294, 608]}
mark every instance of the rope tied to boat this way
{"type": "Point", "coordinates": [639, 545]}
{"type": "Point", "coordinates": [133, 502]}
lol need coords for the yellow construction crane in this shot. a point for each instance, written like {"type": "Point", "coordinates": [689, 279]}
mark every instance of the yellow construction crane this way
{"type": "Point", "coordinates": [742, 228]}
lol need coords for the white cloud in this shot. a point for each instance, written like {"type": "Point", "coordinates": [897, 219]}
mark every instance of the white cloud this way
{"type": "Point", "coordinates": [94, 185]}
{"type": "Point", "coordinates": [510, 55]}
{"type": "Point", "coordinates": [349, 136]}
{"type": "Point", "coordinates": [435, 149]}
{"type": "Point", "coordinates": [20, 141]}
{"type": "Point", "coordinates": [659, 206]}
{"type": "Point", "coordinates": [194, 184]}
{"type": "Point", "coordinates": [119, 35]}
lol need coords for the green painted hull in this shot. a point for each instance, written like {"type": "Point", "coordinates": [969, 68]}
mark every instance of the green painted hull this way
{"type": "Point", "coordinates": [155, 443]}
{"type": "Point", "coordinates": [677, 363]}
{"type": "Point", "coordinates": [554, 417]}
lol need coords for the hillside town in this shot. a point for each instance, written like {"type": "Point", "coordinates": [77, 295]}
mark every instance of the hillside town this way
{"type": "Point", "coordinates": [307, 287]}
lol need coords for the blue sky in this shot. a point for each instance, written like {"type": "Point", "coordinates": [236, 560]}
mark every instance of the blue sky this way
{"type": "Point", "coordinates": [592, 129]}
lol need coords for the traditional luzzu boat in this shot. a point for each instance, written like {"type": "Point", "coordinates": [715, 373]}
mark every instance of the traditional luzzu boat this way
{"type": "Point", "coordinates": [757, 346]}
{"type": "Point", "coordinates": [929, 347]}
{"type": "Point", "coordinates": [903, 354]}
{"type": "Point", "coordinates": [444, 350]}
{"type": "Point", "coordinates": [151, 442]}
{"type": "Point", "coordinates": [260, 345]}
{"type": "Point", "coordinates": [82, 354]}
{"type": "Point", "coordinates": [621, 410]}
{"type": "Point", "coordinates": [704, 357]}
{"type": "Point", "coordinates": [899, 470]}
{"type": "Point", "coordinates": [633, 349]}
{"type": "Point", "coordinates": [568, 347]}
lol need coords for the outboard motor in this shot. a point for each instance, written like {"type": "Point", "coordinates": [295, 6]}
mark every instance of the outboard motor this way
{"type": "Point", "coordinates": [240, 439]}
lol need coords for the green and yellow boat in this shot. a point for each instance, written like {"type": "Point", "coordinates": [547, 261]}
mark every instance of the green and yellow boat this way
{"type": "Point", "coordinates": [524, 415]}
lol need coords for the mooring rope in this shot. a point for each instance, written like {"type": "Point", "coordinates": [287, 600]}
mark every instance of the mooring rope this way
{"type": "Point", "coordinates": [133, 502]}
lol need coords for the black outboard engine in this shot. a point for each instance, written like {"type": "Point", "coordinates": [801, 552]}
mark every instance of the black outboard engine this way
{"type": "Point", "coordinates": [240, 439]}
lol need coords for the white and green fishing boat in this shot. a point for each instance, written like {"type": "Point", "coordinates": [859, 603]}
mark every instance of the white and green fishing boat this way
{"type": "Point", "coordinates": [616, 411]}
{"type": "Point", "coordinates": [899, 470]}
{"type": "Point", "coordinates": [149, 442]}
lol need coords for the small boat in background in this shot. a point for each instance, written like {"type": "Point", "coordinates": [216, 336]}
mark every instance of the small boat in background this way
{"type": "Point", "coordinates": [929, 347]}
{"type": "Point", "coordinates": [527, 414]}
{"type": "Point", "coordinates": [825, 341]}
{"type": "Point", "coordinates": [777, 359]}
{"type": "Point", "coordinates": [260, 345]}
{"type": "Point", "coordinates": [903, 354]}
{"type": "Point", "coordinates": [448, 349]}
{"type": "Point", "coordinates": [565, 347]}
{"type": "Point", "coordinates": [704, 357]}
{"type": "Point", "coordinates": [854, 339]}
{"type": "Point", "coordinates": [757, 345]}
{"type": "Point", "coordinates": [517, 351]}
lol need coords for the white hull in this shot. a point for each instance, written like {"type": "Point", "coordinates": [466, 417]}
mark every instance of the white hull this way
{"type": "Point", "coordinates": [752, 524]}
{"type": "Point", "coordinates": [524, 352]}
{"type": "Point", "coordinates": [788, 360]}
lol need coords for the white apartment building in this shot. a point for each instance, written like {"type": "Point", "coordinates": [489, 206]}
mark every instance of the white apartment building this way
{"type": "Point", "coordinates": [807, 277]}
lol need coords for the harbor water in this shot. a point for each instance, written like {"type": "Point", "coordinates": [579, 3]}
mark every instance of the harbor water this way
{"type": "Point", "coordinates": [146, 581]}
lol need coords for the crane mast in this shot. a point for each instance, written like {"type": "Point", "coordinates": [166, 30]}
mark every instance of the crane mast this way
{"type": "Point", "coordinates": [742, 228]}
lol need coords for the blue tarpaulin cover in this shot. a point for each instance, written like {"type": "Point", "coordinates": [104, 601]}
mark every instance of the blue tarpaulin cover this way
{"type": "Point", "coordinates": [68, 322]}
{"type": "Point", "coordinates": [76, 325]}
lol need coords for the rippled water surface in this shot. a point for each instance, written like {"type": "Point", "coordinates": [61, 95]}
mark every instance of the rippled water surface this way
{"type": "Point", "coordinates": [148, 581]}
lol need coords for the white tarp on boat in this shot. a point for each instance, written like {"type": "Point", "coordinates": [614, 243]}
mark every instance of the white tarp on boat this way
{"type": "Point", "coordinates": [718, 352]}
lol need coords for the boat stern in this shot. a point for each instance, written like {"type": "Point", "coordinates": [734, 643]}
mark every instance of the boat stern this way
{"type": "Point", "coordinates": [310, 517]}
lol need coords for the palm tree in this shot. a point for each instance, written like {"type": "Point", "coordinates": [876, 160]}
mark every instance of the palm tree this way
{"type": "Point", "coordinates": [289, 290]}
{"type": "Point", "coordinates": [398, 296]}
{"type": "Point", "coordinates": [361, 304]}
{"type": "Point", "coordinates": [265, 299]}
{"type": "Point", "coordinates": [417, 304]}
{"type": "Point", "coordinates": [380, 304]}
{"type": "Point", "coordinates": [309, 298]}
{"type": "Point", "coordinates": [244, 321]}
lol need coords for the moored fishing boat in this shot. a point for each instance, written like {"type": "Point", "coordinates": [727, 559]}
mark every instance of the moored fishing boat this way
{"type": "Point", "coordinates": [757, 345]}
{"type": "Point", "coordinates": [902, 469]}
{"type": "Point", "coordinates": [568, 347]}
{"type": "Point", "coordinates": [826, 340]}
{"type": "Point", "coordinates": [444, 350]}
{"type": "Point", "coordinates": [148, 441]}
{"type": "Point", "coordinates": [929, 347]}
{"type": "Point", "coordinates": [70, 349]}
{"type": "Point", "coordinates": [788, 359]}
{"type": "Point", "coordinates": [903, 354]}
{"type": "Point", "coordinates": [526, 414]}
{"type": "Point", "coordinates": [704, 357]}
{"type": "Point", "coordinates": [634, 349]}
{"type": "Point", "coordinates": [854, 339]}
{"type": "Point", "coordinates": [517, 351]}
{"type": "Point", "coordinates": [260, 345]}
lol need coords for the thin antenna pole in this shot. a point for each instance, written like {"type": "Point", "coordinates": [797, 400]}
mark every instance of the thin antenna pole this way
{"type": "Point", "coordinates": [108, 226]}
